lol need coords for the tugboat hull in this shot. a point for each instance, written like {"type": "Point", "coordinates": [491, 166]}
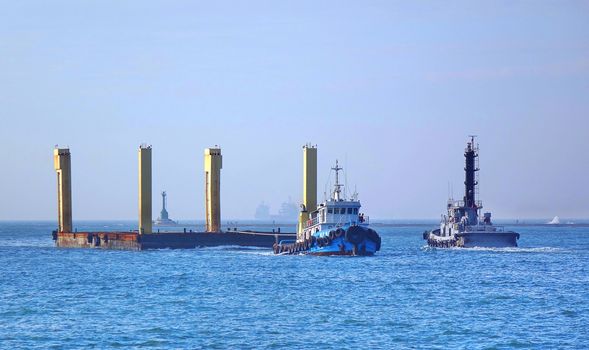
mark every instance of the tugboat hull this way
{"type": "Point", "coordinates": [503, 239]}
{"type": "Point", "coordinates": [490, 240]}
{"type": "Point", "coordinates": [355, 241]}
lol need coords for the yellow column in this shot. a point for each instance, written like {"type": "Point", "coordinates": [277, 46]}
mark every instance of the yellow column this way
{"type": "Point", "coordinates": [213, 165]}
{"type": "Point", "coordinates": [62, 165]}
{"type": "Point", "coordinates": [303, 218]}
{"type": "Point", "coordinates": [309, 186]}
{"type": "Point", "coordinates": [145, 224]}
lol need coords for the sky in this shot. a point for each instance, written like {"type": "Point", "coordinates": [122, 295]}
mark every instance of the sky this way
{"type": "Point", "coordinates": [391, 89]}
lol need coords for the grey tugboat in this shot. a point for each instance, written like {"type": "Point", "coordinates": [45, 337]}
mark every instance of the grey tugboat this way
{"type": "Point", "coordinates": [463, 226]}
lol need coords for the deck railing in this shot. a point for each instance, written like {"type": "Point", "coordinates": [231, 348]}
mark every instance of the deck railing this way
{"type": "Point", "coordinates": [460, 203]}
{"type": "Point", "coordinates": [483, 227]}
{"type": "Point", "coordinates": [342, 221]}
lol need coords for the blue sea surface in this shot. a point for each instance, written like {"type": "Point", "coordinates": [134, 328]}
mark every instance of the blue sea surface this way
{"type": "Point", "coordinates": [406, 297]}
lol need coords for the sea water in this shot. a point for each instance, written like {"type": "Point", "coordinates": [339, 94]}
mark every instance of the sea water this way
{"type": "Point", "coordinates": [407, 296]}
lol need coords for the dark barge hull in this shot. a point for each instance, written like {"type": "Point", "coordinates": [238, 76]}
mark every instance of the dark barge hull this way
{"type": "Point", "coordinates": [168, 240]}
{"type": "Point", "coordinates": [475, 240]}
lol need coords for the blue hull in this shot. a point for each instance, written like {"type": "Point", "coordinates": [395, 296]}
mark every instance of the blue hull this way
{"type": "Point", "coordinates": [340, 246]}
{"type": "Point", "coordinates": [347, 240]}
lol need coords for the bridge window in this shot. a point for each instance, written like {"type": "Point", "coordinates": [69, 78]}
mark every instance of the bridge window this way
{"type": "Point", "coordinates": [356, 211]}
{"type": "Point", "coordinates": [350, 210]}
{"type": "Point", "coordinates": [330, 211]}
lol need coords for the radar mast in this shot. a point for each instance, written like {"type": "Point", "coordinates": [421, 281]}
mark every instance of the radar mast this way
{"type": "Point", "coordinates": [338, 187]}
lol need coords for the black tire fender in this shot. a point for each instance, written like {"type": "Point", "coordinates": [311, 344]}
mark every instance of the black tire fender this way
{"type": "Point", "coordinates": [355, 234]}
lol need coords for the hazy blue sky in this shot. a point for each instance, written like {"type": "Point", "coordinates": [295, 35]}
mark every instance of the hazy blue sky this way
{"type": "Point", "coordinates": [390, 88]}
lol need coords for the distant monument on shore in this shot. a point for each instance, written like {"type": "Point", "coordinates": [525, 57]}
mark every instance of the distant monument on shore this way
{"type": "Point", "coordinates": [164, 219]}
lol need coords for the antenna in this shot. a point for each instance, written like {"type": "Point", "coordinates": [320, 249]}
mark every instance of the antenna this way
{"type": "Point", "coordinates": [327, 185]}
{"type": "Point", "coordinates": [337, 190]}
{"type": "Point", "coordinates": [346, 177]}
{"type": "Point", "coordinates": [474, 146]}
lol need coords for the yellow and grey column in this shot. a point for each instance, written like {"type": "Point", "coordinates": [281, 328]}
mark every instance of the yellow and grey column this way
{"type": "Point", "coordinates": [145, 223]}
{"type": "Point", "coordinates": [309, 188]}
{"type": "Point", "coordinates": [213, 165]}
{"type": "Point", "coordinates": [62, 165]}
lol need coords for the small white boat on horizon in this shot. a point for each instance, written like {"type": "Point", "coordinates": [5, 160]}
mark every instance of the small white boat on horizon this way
{"type": "Point", "coordinates": [555, 221]}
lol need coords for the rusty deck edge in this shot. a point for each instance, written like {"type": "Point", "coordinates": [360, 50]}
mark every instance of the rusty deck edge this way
{"type": "Point", "coordinates": [128, 240]}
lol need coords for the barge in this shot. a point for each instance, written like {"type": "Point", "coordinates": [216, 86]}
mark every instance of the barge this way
{"type": "Point", "coordinates": [167, 240]}
{"type": "Point", "coordinates": [144, 238]}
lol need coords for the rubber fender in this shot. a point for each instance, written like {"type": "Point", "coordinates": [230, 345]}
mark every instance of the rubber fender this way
{"type": "Point", "coordinates": [355, 234]}
{"type": "Point", "coordinates": [373, 236]}
{"type": "Point", "coordinates": [331, 235]}
{"type": "Point", "coordinates": [340, 232]}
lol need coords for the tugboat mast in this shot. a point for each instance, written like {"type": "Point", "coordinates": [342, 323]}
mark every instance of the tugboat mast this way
{"type": "Point", "coordinates": [470, 155]}
{"type": "Point", "coordinates": [337, 191]}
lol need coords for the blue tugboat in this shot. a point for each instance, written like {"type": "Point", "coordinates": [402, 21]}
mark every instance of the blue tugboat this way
{"type": "Point", "coordinates": [463, 226]}
{"type": "Point", "coordinates": [336, 227]}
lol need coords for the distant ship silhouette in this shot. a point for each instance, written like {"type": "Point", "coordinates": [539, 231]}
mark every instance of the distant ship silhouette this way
{"type": "Point", "coordinates": [288, 212]}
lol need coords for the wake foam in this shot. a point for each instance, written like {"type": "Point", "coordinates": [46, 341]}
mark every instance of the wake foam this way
{"type": "Point", "coordinates": [501, 250]}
